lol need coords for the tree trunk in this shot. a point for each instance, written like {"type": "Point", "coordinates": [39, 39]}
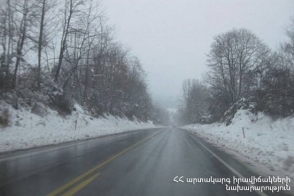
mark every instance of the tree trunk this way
{"type": "Point", "coordinates": [40, 43]}
{"type": "Point", "coordinates": [20, 42]}
{"type": "Point", "coordinates": [64, 40]}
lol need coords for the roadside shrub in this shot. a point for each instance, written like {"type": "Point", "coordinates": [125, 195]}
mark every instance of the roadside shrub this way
{"type": "Point", "coordinates": [61, 103]}
{"type": "Point", "coordinates": [276, 98]}
{"type": "Point", "coordinates": [4, 118]}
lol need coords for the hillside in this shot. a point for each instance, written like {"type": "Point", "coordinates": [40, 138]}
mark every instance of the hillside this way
{"type": "Point", "coordinates": [267, 144]}
{"type": "Point", "coordinates": [30, 127]}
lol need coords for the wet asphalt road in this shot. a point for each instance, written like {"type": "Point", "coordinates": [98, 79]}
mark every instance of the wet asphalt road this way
{"type": "Point", "coordinates": [138, 163]}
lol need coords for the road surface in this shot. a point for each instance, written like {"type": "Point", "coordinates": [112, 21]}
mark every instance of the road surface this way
{"type": "Point", "coordinates": [165, 161]}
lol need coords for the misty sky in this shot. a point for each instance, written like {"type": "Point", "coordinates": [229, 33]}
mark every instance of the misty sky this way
{"type": "Point", "coordinates": [173, 37]}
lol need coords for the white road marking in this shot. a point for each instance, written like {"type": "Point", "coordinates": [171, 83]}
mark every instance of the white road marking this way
{"type": "Point", "coordinates": [228, 166]}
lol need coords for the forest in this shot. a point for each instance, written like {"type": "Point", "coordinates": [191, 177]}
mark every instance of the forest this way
{"type": "Point", "coordinates": [56, 54]}
{"type": "Point", "coordinates": [244, 73]}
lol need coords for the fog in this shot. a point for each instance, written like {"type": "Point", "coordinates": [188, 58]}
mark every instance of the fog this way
{"type": "Point", "coordinates": [172, 37]}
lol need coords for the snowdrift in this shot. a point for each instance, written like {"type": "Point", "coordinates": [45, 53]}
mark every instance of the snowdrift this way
{"type": "Point", "coordinates": [268, 145]}
{"type": "Point", "coordinates": [40, 126]}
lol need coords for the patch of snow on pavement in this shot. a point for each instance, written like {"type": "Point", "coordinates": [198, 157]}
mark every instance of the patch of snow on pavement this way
{"type": "Point", "coordinates": [28, 130]}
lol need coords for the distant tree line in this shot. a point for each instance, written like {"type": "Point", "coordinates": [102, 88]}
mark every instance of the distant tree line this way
{"type": "Point", "coordinates": [59, 52]}
{"type": "Point", "coordinates": [244, 74]}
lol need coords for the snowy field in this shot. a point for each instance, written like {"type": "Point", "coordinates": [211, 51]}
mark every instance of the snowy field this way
{"type": "Point", "coordinates": [28, 130]}
{"type": "Point", "coordinates": [267, 145]}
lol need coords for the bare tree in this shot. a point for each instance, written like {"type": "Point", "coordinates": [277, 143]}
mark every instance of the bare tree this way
{"type": "Point", "coordinates": [40, 41]}
{"type": "Point", "coordinates": [194, 105]}
{"type": "Point", "coordinates": [234, 59]}
{"type": "Point", "coordinates": [84, 37]}
{"type": "Point", "coordinates": [6, 35]}
{"type": "Point", "coordinates": [288, 47]}
{"type": "Point", "coordinates": [44, 7]}
{"type": "Point", "coordinates": [71, 8]}
{"type": "Point", "coordinates": [26, 10]}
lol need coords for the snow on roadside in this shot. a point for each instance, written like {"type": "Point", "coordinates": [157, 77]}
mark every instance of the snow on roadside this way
{"type": "Point", "coordinates": [28, 130]}
{"type": "Point", "coordinates": [268, 145]}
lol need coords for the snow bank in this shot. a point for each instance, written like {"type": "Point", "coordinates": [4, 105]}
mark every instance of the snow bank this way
{"type": "Point", "coordinates": [28, 130]}
{"type": "Point", "coordinates": [268, 145]}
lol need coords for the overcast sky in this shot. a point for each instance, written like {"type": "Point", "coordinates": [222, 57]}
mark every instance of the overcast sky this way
{"type": "Point", "coordinates": [172, 37]}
